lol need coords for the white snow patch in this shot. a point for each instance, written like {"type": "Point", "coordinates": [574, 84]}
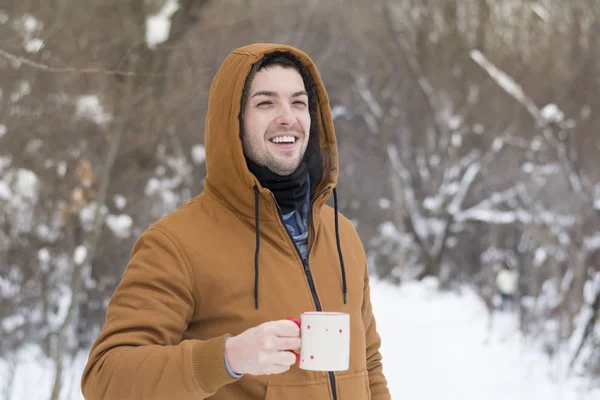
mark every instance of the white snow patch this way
{"type": "Point", "coordinates": [384, 203]}
{"type": "Point", "coordinates": [88, 213]}
{"type": "Point", "coordinates": [120, 201]}
{"type": "Point", "coordinates": [120, 225]}
{"type": "Point", "coordinates": [158, 26]}
{"type": "Point", "coordinates": [433, 203]}
{"type": "Point", "coordinates": [61, 168]}
{"type": "Point", "coordinates": [478, 129]}
{"type": "Point", "coordinates": [80, 254]}
{"type": "Point", "coordinates": [5, 191]}
{"type": "Point", "coordinates": [4, 162]}
{"type": "Point", "coordinates": [455, 122]}
{"type": "Point", "coordinates": [456, 139]}
{"type": "Point", "coordinates": [26, 184]}
{"type": "Point", "coordinates": [152, 187]}
{"type": "Point", "coordinates": [497, 144]}
{"type": "Point", "coordinates": [23, 89]}
{"type": "Point", "coordinates": [31, 24]}
{"type": "Point", "coordinates": [540, 256]}
{"type": "Point", "coordinates": [340, 111]}
{"type": "Point", "coordinates": [30, 27]}
{"type": "Point", "coordinates": [389, 230]}
{"type": "Point", "coordinates": [528, 167]}
{"type": "Point", "coordinates": [34, 45]}
{"type": "Point", "coordinates": [8, 289]}
{"type": "Point", "coordinates": [89, 107]}
{"type": "Point", "coordinates": [44, 255]}
{"type": "Point", "coordinates": [46, 233]}
{"type": "Point", "coordinates": [34, 375]}
{"type": "Point", "coordinates": [34, 145]}
{"type": "Point", "coordinates": [198, 154]}
{"type": "Point", "coordinates": [552, 113]}
{"type": "Point", "coordinates": [592, 243]}
{"type": "Point", "coordinates": [2, 130]}
{"type": "Point", "coordinates": [10, 323]}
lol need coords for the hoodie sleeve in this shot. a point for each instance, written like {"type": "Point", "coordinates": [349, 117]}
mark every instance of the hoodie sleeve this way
{"type": "Point", "coordinates": [139, 353]}
{"type": "Point", "coordinates": [377, 381]}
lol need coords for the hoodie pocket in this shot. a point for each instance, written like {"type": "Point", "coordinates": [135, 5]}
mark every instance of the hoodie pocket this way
{"type": "Point", "coordinates": [353, 386]}
{"type": "Point", "coordinates": [309, 390]}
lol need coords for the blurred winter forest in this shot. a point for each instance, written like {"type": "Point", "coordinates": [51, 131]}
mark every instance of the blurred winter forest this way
{"type": "Point", "coordinates": [467, 131]}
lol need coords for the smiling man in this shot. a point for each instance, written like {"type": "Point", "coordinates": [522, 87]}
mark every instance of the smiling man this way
{"type": "Point", "coordinates": [276, 118]}
{"type": "Point", "coordinates": [201, 311]}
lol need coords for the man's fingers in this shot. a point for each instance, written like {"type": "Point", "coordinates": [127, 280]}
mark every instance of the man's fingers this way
{"type": "Point", "coordinates": [286, 343]}
{"type": "Point", "coordinates": [285, 328]}
{"type": "Point", "coordinates": [284, 358]}
{"type": "Point", "coordinates": [275, 343]}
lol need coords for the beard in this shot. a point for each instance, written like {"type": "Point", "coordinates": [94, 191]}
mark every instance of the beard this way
{"type": "Point", "coordinates": [280, 167]}
{"type": "Point", "coordinates": [255, 151]}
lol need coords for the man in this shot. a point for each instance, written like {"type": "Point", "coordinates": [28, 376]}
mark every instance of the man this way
{"type": "Point", "coordinates": [201, 309]}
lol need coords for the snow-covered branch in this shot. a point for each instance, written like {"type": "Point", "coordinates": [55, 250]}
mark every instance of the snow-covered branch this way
{"type": "Point", "coordinates": [550, 114]}
{"type": "Point", "coordinates": [410, 201]}
{"type": "Point", "coordinates": [506, 83]}
{"type": "Point", "coordinates": [465, 184]}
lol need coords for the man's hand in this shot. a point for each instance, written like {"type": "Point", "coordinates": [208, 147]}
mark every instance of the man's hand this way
{"type": "Point", "coordinates": [264, 349]}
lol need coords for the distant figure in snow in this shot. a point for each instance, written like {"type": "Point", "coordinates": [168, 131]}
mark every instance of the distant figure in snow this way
{"type": "Point", "coordinates": [506, 283]}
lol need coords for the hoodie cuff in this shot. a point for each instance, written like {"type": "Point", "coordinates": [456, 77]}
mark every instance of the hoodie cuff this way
{"type": "Point", "coordinates": [208, 366]}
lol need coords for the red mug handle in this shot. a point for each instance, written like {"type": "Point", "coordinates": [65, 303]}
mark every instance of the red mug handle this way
{"type": "Point", "coordinates": [298, 322]}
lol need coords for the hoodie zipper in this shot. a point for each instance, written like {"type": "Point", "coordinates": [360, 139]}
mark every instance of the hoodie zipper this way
{"type": "Point", "coordinates": [306, 267]}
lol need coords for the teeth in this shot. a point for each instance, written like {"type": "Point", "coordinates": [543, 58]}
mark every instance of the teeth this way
{"type": "Point", "coordinates": [283, 139]}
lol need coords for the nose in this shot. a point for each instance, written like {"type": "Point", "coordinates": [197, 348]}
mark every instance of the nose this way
{"type": "Point", "coordinates": [286, 116]}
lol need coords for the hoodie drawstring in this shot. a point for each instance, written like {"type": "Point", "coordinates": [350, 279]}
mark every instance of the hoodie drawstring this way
{"type": "Point", "coordinates": [257, 249]}
{"type": "Point", "coordinates": [339, 246]}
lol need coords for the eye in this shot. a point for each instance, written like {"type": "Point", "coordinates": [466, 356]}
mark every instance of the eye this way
{"type": "Point", "coordinates": [264, 103]}
{"type": "Point", "coordinates": [300, 102]}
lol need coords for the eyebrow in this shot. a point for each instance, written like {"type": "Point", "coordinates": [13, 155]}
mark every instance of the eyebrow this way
{"type": "Point", "coordinates": [274, 94]}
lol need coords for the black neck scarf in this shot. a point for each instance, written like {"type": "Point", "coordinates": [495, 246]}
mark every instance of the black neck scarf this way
{"type": "Point", "coordinates": [290, 191]}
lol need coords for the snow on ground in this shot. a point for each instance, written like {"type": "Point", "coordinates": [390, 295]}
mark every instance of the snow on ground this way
{"type": "Point", "coordinates": [440, 346]}
{"type": "Point", "coordinates": [434, 345]}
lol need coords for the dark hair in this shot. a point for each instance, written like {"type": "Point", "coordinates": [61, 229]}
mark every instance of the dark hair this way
{"type": "Point", "coordinates": [288, 60]}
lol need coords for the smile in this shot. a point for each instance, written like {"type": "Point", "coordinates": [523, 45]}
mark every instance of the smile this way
{"type": "Point", "coordinates": [285, 139]}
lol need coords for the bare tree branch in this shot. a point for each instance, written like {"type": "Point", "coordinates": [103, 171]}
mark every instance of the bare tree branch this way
{"type": "Point", "coordinates": [21, 60]}
{"type": "Point", "coordinates": [301, 32]}
{"type": "Point", "coordinates": [589, 328]}
{"type": "Point", "coordinates": [413, 66]}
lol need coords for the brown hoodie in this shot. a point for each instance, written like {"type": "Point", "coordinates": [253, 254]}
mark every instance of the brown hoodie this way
{"type": "Point", "coordinates": [190, 280]}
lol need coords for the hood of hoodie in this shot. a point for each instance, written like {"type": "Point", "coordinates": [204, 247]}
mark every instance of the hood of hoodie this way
{"type": "Point", "coordinates": [228, 178]}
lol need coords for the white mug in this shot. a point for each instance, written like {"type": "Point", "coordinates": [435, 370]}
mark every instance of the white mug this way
{"type": "Point", "coordinates": [325, 341]}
